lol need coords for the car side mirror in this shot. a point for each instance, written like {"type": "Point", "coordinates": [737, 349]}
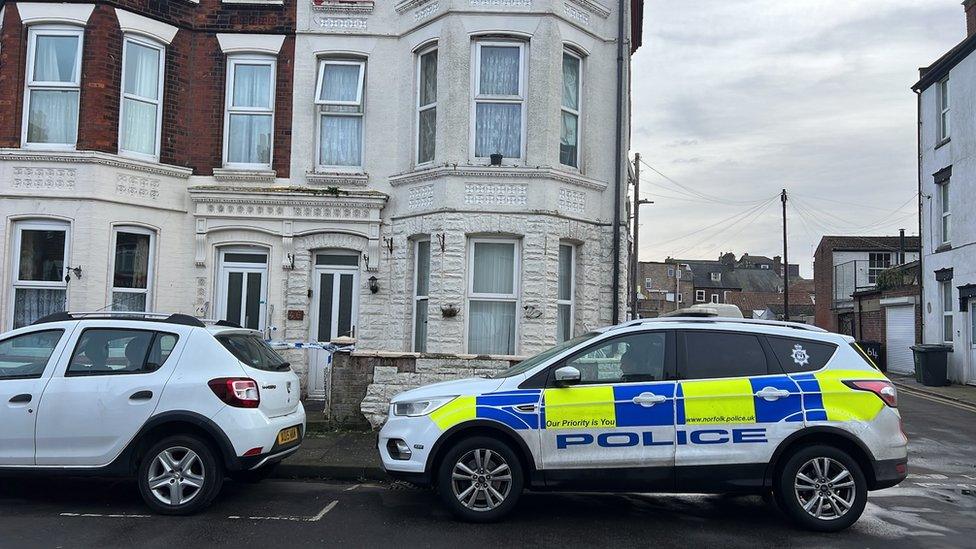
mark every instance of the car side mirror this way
{"type": "Point", "coordinates": [567, 376]}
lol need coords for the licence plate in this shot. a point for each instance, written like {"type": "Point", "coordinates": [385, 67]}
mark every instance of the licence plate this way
{"type": "Point", "coordinates": [288, 435]}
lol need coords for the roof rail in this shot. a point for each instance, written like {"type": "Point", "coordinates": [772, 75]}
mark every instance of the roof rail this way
{"type": "Point", "coordinates": [175, 318]}
{"type": "Point", "coordinates": [724, 320]}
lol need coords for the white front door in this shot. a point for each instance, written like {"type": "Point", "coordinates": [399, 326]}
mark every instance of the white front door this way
{"type": "Point", "coordinates": [242, 288]}
{"type": "Point", "coordinates": [335, 298]}
{"type": "Point", "coordinates": [971, 378]}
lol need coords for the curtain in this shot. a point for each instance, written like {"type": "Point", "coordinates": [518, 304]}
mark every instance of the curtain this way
{"type": "Point", "coordinates": [571, 75]}
{"type": "Point", "coordinates": [252, 86]}
{"type": "Point", "coordinates": [428, 78]}
{"type": "Point", "coordinates": [41, 255]}
{"type": "Point", "coordinates": [139, 117]}
{"type": "Point", "coordinates": [565, 273]}
{"type": "Point", "coordinates": [53, 116]}
{"type": "Point", "coordinates": [499, 70]}
{"type": "Point", "coordinates": [492, 328]}
{"type": "Point", "coordinates": [568, 139]}
{"type": "Point", "coordinates": [141, 71]}
{"type": "Point", "coordinates": [498, 129]}
{"type": "Point", "coordinates": [494, 267]}
{"type": "Point", "coordinates": [31, 304]}
{"type": "Point", "coordinates": [341, 141]}
{"type": "Point", "coordinates": [138, 126]}
{"type": "Point", "coordinates": [127, 301]}
{"type": "Point", "coordinates": [54, 58]}
{"type": "Point", "coordinates": [250, 139]}
{"type": "Point", "coordinates": [428, 135]}
{"type": "Point", "coordinates": [340, 83]}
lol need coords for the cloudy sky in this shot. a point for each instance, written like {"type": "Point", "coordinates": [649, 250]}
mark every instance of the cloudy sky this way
{"type": "Point", "coordinates": [734, 101]}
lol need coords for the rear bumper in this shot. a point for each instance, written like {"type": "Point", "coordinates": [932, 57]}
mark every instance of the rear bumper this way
{"type": "Point", "coordinates": [249, 429]}
{"type": "Point", "coordinates": [889, 472]}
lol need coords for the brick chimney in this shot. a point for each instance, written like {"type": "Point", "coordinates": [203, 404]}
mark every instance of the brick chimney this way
{"type": "Point", "coordinates": [970, 7]}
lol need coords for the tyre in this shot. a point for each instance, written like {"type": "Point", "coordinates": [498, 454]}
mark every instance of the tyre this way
{"type": "Point", "coordinates": [179, 475]}
{"type": "Point", "coordinates": [822, 488]}
{"type": "Point", "coordinates": [253, 476]}
{"type": "Point", "coordinates": [480, 479]}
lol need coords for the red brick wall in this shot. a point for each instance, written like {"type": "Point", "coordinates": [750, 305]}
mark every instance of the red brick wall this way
{"type": "Point", "coordinates": [823, 283]}
{"type": "Point", "coordinates": [193, 96]}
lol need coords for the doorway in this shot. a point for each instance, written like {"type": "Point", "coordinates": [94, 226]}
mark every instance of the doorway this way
{"type": "Point", "coordinates": [335, 295]}
{"type": "Point", "coordinates": [242, 289]}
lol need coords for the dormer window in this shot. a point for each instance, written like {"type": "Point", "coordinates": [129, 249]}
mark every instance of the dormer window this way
{"type": "Point", "coordinates": [716, 277]}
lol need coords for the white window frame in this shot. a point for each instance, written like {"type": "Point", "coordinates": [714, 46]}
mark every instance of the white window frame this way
{"type": "Point", "coordinates": [648, 283]}
{"type": "Point", "coordinates": [714, 298]}
{"type": "Point", "coordinates": [944, 100]}
{"type": "Point", "coordinates": [945, 228]}
{"type": "Point", "coordinates": [700, 296]}
{"type": "Point", "coordinates": [319, 113]}
{"type": "Point", "coordinates": [578, 113]}
{"type": "Point", "coordinates": [16, 283]}
{"type": "Point", "coordinates": [159, 96]}
{"type": "Point", "coordinates": [477, 97]}
{"type": "Point", "coordinates": [725, 296]}
{"type": "Point", "coordinates": [716, 277]}
{"type": "Point", "coordinates": [150, 271]}
{"type": "Point", "coordinates": [945, 295]}
{"type": "Point", "coordinates": [224, 267]}
{"type": "Point", "coordinates": [873, 272]}
{"type": "Point", "coordinates": [572, 292]}
{"type": "Point", "coordinates": [670, 272]}
{"type": "Point", "coordinates": [35, 85]}
{"type": "Point", "coordinates": [229, 109]}
{"type": "Point", "coordinates": [417, 298]}
{"type": "Point", "coordinates": [425, 108]}
{"type": "Point", "coordinates": [514, 297]}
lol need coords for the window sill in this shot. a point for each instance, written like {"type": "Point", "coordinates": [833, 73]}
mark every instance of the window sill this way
{"type": "Point", "coordinates": [95, 157]}
{"type": "Point", "coordinates": [338, 178]}
{"type": "Point", "coordinates": [945, 247]}
{"type": "Point", "coordinates": [333, 6]}
{"type": "Point", "coordinates": [245, 175]}
{"type": "Point", "coordinates": [943, 142]}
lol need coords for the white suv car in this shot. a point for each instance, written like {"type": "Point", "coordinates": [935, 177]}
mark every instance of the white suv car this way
{"type": "Point", "coordinates": [669, 405]}
{"type": "Point", "coordinates": [173, 401]}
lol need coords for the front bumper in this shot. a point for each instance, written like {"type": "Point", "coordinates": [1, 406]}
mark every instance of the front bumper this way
{"type": "Point", "coordinates": [420, 434]}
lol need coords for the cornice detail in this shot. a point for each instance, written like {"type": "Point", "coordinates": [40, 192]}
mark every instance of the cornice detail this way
{"type": "Point", "coordinates": [592, 6]}
{"type": "Point", "coordinates": [338, 179]}
{"type": "Point", "coordinates": [334, 6]}
{"type": "Point", "coordinates": [407, 5]}
{"type": "Point", "coordinates": [244, 176]}
{"type": "Point", "coordinates": [485, 172]}
{"type": "Point", "coordinates": [94, 157]}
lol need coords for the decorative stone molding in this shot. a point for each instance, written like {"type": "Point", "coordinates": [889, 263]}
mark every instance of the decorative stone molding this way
{"type": "Point", "coordinates": [132, 23]}
{"type": "Point", "coordinates": [244, 176]}
{"type": "Point", "coordinates": [407, 5]}
{"type": "Point", "coordinates": [32, 13]}
{"type": "Point", "coordinates": [425, 12]}
{"type": "Point", "coordinates": [502, 3]}
{"type": "Point", "coordinates": [44, 179]}
{"type": "Point", "coordinates": [577, 13]}
{"type": "Point", "coordinates": [339, 24]}
{"type": "Point", "coordinates": [420, 197]}
{"type": "Point", "coordinates": [489, 194]}
{"type": "Point", "coordinates": [591, 6]}
{"type": "Point", "coordinates": [338, 179]}
{"type": "Point", "coordinates": [137, 186]}
{"type": "Point", "coordinates": [347, 6]}
{"type": "Point", "coordinates": [476, 172]}
{"type": "Point", "coordinates": [287, 202]}
{"type": "Point", "coordinates": [93, 157]}
{"type": "Point", "coordinates": [571, 200]}
{"type": "Point", "coordinates": [250, 43]}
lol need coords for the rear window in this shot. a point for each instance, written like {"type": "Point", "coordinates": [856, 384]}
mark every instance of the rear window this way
{"type": "Point", "coordinates": [254, 352]}
{"type": "Point", "coordinates": [801, 355]}
{"type": "Point", "coordinates": [863, 354]}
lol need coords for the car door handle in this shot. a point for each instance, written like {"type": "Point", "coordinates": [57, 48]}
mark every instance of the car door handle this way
{"type": "Point", "coordinates": [649, 399]}
{"type": "Point", "coordinates": [141, 395]}
{"type": "Point", "coordinates": [21, 399]}
{"type": "Point", "coordinates": [772, 393]}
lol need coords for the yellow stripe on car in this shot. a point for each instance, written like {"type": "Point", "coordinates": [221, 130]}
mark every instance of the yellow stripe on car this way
{"type": "Point", "coordinates": [843, 403]}
{"type": "Point", "coordinates": [580, 408]}
{"type": "Point", "coordinates": [718, 401]}
{"type": "Point", "coordinates": [456, 411]}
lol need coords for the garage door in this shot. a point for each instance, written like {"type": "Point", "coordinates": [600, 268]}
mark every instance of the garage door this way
{"type": "Point", "coordinates": [899, 337]}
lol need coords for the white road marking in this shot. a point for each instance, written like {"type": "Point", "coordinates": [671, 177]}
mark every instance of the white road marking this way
{"type": "Point", "coordinates": [323, 512]}
{"type": "Point", "coordinates": [316, 518]}
{"type": "Point", "coordinates": [351, 488]}
{"type": "Point", "coordinates": [100, 515]}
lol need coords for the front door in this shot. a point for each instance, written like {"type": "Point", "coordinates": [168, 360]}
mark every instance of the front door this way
{"type": "Point", "coordinates": [617, 423]}
{"type": "Point", "coordinates": [25, 368]}
{"type": "Point", "coordinates": [242, 287]}
{"type": "Point", "coordinates": [971, 378]}
{"type": "Point", "coordinates": [97, 402]}
{"type": "Point", "coordinates": [335, 298]}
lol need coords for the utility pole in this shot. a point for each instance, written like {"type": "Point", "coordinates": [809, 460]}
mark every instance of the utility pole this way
{"type": "Point", "coordinates": [786, 264]}
{"type": "Point", "coordinates": [635, 256]}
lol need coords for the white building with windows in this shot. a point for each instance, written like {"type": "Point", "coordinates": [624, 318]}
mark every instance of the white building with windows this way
{"type": "Point", "coordinates": [421, 175]}
{"type": "Point", "coordinates": [947, 208]}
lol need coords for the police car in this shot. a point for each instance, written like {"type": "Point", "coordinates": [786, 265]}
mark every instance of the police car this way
{"type": "Point", "coordinates": [704, 405]}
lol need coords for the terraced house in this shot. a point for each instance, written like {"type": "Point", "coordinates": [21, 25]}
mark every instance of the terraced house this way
{"type": "Point", "coordinates": [421, 175]}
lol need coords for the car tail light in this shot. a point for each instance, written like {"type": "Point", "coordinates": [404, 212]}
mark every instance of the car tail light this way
{"type": "Point", "coordinates": [884, 389]}
{"type": "Point", "coordinates": [239, 392]}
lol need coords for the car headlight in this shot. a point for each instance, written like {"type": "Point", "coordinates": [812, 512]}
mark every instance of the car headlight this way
{"type": "Point", "coordinates": [414, 408]}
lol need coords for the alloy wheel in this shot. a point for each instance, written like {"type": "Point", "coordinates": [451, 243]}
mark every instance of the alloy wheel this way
{"type": "Point", "coordinates": [176, 476]}
{"type": "Point", "coordinates": [825, 488]}
{"type": "Point", "coordinates": [481, 479]}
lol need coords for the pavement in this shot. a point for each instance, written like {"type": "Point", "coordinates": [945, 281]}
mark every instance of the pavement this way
{"type": "Point", "coordinates": [962, 394]}
{"type": "Point", "coordinates": [935, 507]}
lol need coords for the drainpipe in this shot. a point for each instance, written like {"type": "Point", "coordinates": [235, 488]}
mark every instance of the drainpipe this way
{"type": "Point", "coordinates": [618, 160]}
{"type": "Point", "coordinates": [921, 255]}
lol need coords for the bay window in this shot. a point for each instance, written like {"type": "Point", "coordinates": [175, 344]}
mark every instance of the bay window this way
{"type": "Point", "coordinates": [249, 114]}
{"type": "Point", "coordinates": [421, 294]}
{"type": "Point", "coordinates": [426, 106]}
{"type": "Point", "coordinates": [566, 288]}
{"type": "Point", "coordinates": [499, 98]}
{"type": "Point", "coordinates": [53, 86]}
{"type": "Point", "coordinates": [492, 296]}
{"type": "Point", "coordinates": [339, 96]}
{"type": "Point", "coordinates": [132, 270]}
{"type": "Point", "coordinates": [142, 92]}
{"type": "Point", "coordinates": [39, 285]}
{"type": "Point", "coordinates": [569, 132]}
